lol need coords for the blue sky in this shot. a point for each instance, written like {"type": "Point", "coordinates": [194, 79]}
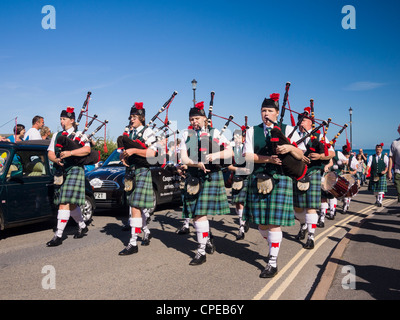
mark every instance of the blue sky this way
{"type": "Point", "coordinates": [127, 51]}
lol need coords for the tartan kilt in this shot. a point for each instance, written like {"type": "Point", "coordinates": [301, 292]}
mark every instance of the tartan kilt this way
{"type": "Point", "coordinates": [379, 186]}
{"type": "Point", "coordinates": [142, 196]}
{"type": "Point", "coordinates": [212, 198]}
{"type": "Point", "coordinates": [240, 197]}
{"type": "Point", "coordinates": [312, 197]}
{"type": "Point", "coordinates": [72, 191]}
{"type": "Point", "coordinates": [275, 208]}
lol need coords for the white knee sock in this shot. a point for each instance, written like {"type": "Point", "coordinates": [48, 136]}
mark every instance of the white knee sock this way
{"type": "Point", "coordinates": [136, 226]}
{"type": "Point", "coordinates": [145, 228]}
{"type": "Point", "coordinates": [241, 222]}
{"type": "Point", "coordinates": [203, 231]}
{"type": "Point", "coordinates": [274, 241]}
{"type": "Point", "coordinates": [311, 220]}
{"type": "Point", "coordinates": [62, 220]}
{"type": "Point", "coordinates": [380, 197]}
{"type": "Point", "coordinates": [332, 206]}
{"type": "Point", "coordinates": [76, 214]}
{"type": "Point", "coordinates": [323, 210]}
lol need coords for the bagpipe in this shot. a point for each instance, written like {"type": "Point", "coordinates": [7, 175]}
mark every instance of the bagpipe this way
{"type": "Point", "coordinates": [77, 139]}
{"type": "Point", "coordinates": [124, 142]}
{"type": "Point", "coordinates": [209, 144]}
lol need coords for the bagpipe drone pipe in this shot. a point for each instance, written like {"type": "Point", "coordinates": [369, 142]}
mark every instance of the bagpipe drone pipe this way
{"type": "Point", "coordinates": [210, 144]}
{"type": "Point", "coordinates": [124, 142]}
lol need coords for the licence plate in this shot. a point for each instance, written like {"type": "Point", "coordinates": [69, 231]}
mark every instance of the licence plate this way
{"type": "Point", "coordinates": [100, 195]}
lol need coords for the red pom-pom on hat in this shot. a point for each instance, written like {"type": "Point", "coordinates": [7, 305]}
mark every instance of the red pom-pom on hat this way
{"type": "Point", "coordinates": [139, 105]}
{"type": "Point", "coordinates": [70, 110]}
{"type": "Point", "coordinates": [274, 96]}
{"type": "Point", "coordinates": [200, 105]}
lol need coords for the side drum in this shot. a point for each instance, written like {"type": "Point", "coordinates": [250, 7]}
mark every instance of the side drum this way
{"type": "Point", "coordinates": [354, 187]}
{"type": "Point", "coordinates": [336, 185]}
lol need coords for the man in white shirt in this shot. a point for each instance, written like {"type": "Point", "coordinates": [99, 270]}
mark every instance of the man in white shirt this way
{"type": "Point", "coordinates": [394, 162]}
{"type": "Point", "coordinates": [34, 132]}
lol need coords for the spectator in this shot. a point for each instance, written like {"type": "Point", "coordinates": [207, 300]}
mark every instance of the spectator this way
{"type": "Point", "coordinates": [34, 132]}
{"type": "Point", "coordinates": [19, 132]}
{"type": "Point", "coordinates": [394, 162]}
{"type": "Point", "coordinates": [45, 133]}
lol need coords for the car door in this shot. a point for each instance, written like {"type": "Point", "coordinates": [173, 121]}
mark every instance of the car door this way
{"type": "Point", "coordinates": [30, 189]}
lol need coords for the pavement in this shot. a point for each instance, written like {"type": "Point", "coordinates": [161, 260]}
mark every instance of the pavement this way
{"type": "Point", "coordinates": [365, 265]}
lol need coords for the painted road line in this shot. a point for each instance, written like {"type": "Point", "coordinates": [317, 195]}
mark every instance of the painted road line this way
{"type": "Point", "coordinates": [280, 274]}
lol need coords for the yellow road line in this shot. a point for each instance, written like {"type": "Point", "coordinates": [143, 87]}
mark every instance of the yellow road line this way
{"type": "Point", "coordinates": [308, 254]}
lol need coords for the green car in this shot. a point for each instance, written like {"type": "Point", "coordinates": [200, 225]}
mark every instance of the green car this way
{"type": "Point", "coordinates": [26, 185]}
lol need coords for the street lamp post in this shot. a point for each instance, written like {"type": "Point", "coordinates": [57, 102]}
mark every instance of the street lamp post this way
{"type": "Point", "coordinates": [194, 85]}
{"type": "Point", "coordinates": [351, 128]}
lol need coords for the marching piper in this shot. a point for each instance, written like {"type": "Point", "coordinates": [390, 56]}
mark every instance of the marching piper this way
{"type": "Point", "coordinates": [204, 191]}
{"type": "Point", "coordinates": [239, 185]}
{"type": "Point", "coordinates": [306, 203]}
{"type": "Point", "coordinates": [71, 194]}
{"type": "Point", "coordinates": [273, 210]}
{"type": "Point", "coordinates": [141, 198]}
{"type": "Point", "coordinates": [379, 166]}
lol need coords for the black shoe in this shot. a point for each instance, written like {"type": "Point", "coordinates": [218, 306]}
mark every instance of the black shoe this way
{"type": "Point", "coordinates": [56, 241]}
{"type": "Point", "coordinates": [81, 232]}
{"type": "Point", "coordinates": [330, 216]}
{"type": "Point", "coordinates": [269, 271]}
{"type": "Point", "coordinates": [184, 230]}
{"type": "Point", "coordinates": [309, 244]}
{"type": "Point", "coordinates": [302, 234]}
{"type": "Point", "coordinates": [210, 247]}
{"type": "Point", "coordinates": [129, 249]}
{"type": "Point", "coordinates": [320, 224]}
{"type": "Point", "coordinates": [198, 259]}
{"type": "Point", "coordinates": [146, 239]}
{"type": "Point", "coordinates": [379, 204]}
{"type": "Point", "coordinates": [246, 226]}
{"type": "Point", "coordinates": [240, 235]}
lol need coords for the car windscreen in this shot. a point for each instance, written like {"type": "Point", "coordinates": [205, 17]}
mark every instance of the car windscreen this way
{"type": "Point", "coordinates": [113, 159]}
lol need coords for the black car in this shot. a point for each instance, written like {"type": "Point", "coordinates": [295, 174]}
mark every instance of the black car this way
{"type": "Point", "coordinates": [108, 183]}
{"type": "Point", "coordinates": [27, 185]}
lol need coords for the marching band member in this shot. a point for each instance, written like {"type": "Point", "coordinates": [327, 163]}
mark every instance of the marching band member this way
{"type": "Point", "coordinates": [239, 186]}
{"type": "Point", "coordinates": [306, 203]}
{"type": "Point", "coordinates": [347, 163]}
{"type": "Point", "coordinates": [273, 210]}
{"type": "Point", "coordinates": [208, 194]}
{"type": "Point", "coordinates": [71, 195]}
{"type": "Point", "coordinates": [141, 198]}
{"type": "Point", "coordinates": [327, 201]}
{"type": "Point", "coordinates": [379, 166]}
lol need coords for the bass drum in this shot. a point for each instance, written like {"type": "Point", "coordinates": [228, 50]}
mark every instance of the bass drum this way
{"type": "Point", "coordinates": [336, 185]}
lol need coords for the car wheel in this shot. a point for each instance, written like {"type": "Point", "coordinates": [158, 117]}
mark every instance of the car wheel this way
{"type": "Point", "coordinates": [87, 209]}
{"type": "Point", "coordinates": [151, 211]}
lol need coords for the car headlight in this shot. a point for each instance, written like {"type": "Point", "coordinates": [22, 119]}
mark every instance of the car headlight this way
{"type": "Point", "coordinates": [96, 183]}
